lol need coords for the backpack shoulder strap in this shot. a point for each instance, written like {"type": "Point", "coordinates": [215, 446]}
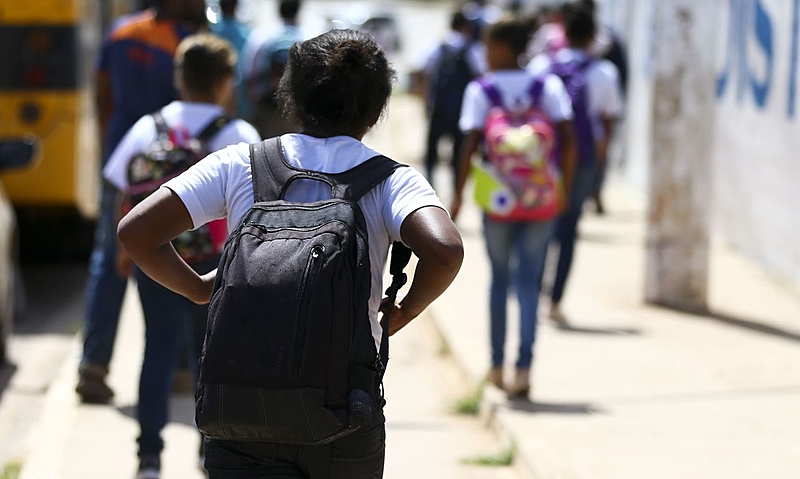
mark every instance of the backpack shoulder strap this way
{"type": "Point", "coordinates": [400, 257]}
{"type": "Point", "coordinates": [214, 127]}
{"type": "Point", "coordinates": [356, 182]}
{"type": "Point", "coordinates": [272, 174]}
{"type": "Point", "coordinates": [270, 171]}
{"type": "Point", "coordinates": [536, 89]}
{"type": "Point", "coordinates": [491, 91]}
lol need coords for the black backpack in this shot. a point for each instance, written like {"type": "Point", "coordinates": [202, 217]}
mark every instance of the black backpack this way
{"type": "Point", "coordinates": [289, 355]}
{"type": "Point", "coordinates": [453, 74]}
{"type": "Point", "coordinates": [164, 160]}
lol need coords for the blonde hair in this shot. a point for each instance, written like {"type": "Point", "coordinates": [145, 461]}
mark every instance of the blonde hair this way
{"type": "Point", "coordinates": [202, 61]}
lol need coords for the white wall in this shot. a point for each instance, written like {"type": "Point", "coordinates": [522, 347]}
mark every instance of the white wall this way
{"type": "Point", "coordinates": [756, 159]}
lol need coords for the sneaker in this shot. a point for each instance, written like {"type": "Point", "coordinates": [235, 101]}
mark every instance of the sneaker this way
{"type": "Point", "coordinates": [149, 468]}
{"type": "Point", "coordinates": [92, 387]}
{"type": "Point", "coordinates": [495, 378]}
{"type": "Point", "coordinates": [521, 386]}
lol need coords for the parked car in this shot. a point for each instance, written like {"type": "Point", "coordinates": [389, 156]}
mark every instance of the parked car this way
{"type": "Point", "coordinates": [13, 154]}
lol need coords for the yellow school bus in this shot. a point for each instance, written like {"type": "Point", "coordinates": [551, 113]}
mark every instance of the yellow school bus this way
{"type": "Point", "coordinates": [49, 49]}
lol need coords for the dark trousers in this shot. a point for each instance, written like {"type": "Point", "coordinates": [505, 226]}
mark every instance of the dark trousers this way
{"type": "Point", "coordinates": [442, 127]}
{"type": "Point", "coordinates": [171, 322]}
{"type": "Point", "coordinates": [359, 455]}
{"type": "Point", "coordinates": [105, 290]}
{"type": "Point", "coordinates": [566, 231]}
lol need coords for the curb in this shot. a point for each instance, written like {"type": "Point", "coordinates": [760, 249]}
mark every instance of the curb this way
{"type": "Point", "coordinates": [46, 444]}
{"type": "Point", "coordinates": [490, 405]}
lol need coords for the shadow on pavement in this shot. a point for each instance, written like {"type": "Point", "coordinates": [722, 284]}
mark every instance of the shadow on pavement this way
{"type": "Point", "coordinates": [755, 325]}
{"type": "Point", "coordinates": [53, 299]}
{"type": "Point", "coordinates": [525, 405]}
{"type": "Point", "coordinates": [181, 410]}
{"type": "Point", "coordinates": [751, 325]}
{"type": "Point", "coordinates": [600, 331]}
{"type": "Point", "coordinates": [7, 371]}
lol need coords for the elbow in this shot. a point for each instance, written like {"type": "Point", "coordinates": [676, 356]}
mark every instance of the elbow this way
{"type": "Point", "coordinates": [448, 253]}
{"type": "Point", "coordinates": [124, 233]}
{"type": "Point", "coordinates": [454, 255]}
{"type": "Point", "coordinates": [127, 233]}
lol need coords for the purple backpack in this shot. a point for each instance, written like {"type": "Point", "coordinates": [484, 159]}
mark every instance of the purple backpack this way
{"type": "Point", "coordinates": [572, 73]}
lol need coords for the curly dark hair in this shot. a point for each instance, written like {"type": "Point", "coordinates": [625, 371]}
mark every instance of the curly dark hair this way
{"type": "Point", "coordinates": [336, 83]}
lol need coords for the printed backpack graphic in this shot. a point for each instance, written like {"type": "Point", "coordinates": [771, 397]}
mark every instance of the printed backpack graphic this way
{"type": "Point", "coordinates": [518, 179]}
{"type": "Point", "coordinates": [165, 159]}
{"type": "Point", "coordinates": [289, 355]}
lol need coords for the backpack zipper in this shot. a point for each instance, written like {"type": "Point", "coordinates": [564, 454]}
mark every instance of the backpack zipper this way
{"type": "Point", "coordinates": [315, 260]}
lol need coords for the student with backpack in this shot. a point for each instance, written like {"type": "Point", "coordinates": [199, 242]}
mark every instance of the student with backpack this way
{"type": "Point", "coordinates": [593, 86]}
{"type": "Point", "coordinates": [290, 377]}
{"type": "Point", "coordinates": [158, 147]}
{"type": "Point", "coordinates": [523, 122]}
{"type": "Point", "coordinates": [448, 70]}
{"type": "Point", "coordinates": [264, 65]}
{"type": "Point", "coordinates": [134, 77]}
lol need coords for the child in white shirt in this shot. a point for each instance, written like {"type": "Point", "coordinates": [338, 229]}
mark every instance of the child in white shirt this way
{"type": "Point", "coordinates": [204, 76]}
{"type": "Point", "coordinates": [506, 42]}
{"type": "Point", "coordinates": [335, 87]}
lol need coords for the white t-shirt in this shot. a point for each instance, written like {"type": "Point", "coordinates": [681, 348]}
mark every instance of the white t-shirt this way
{"type": "Point", "coordinates": [514, 88]}
{"type": "Point", "coordinates": [185, 120]}
{"type": "Point", "coordinates": [603, 92]}
{"type": "Point", "coordinates": [221, 185]}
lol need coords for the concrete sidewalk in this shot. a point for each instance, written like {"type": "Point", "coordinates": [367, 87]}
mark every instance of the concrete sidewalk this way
{"type": "Point", "coordinates": [631, 391]}
{"type": "Point", "coordinates": [424, 438]}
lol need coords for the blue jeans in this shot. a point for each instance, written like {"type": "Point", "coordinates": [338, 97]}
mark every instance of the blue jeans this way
{"type": "Point", "coordinates": [171, 321]}
{"type": "Point", "coordinates": [359, 455]}
{"type": "Point", "coordinates": [566, 230]}
{"type": "Point", "coordinates": [105, 289]}
{"type": "Point", "coordinates": [524, 245]}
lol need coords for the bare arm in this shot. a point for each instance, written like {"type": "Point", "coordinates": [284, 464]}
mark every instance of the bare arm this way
{"type": "Point", "coordinates": [145, 233]}
{"type": "Point", "coordinates": [470, 145]}
{"type": "Point", "coordinates": [435, 240]}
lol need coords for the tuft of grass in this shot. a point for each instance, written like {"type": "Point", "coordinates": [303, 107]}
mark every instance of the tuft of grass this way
{"type": "Point", "coordinates": [11, 470]}
{"type": "Point", "coordinates": [471, 404]}
{"type": "Point", "coordinates": [503, 458]}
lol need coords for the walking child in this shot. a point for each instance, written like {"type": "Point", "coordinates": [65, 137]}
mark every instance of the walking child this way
{"type": "Point", "coordinates": [335, 87]}
{"type": "Point", "coordinates": [129, 85]}
{"type": "Point", "coordinates": [521, 120]}
{"type": "Point", "coordinates": [448, 70]}
{"type": "Point", "coordinates": [597, 104]}
{"type": "Point", "coordinates": [204, 77]}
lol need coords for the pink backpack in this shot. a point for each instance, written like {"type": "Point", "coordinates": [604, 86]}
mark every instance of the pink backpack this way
{"type": "Point", "coordinates": [521, 179]}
